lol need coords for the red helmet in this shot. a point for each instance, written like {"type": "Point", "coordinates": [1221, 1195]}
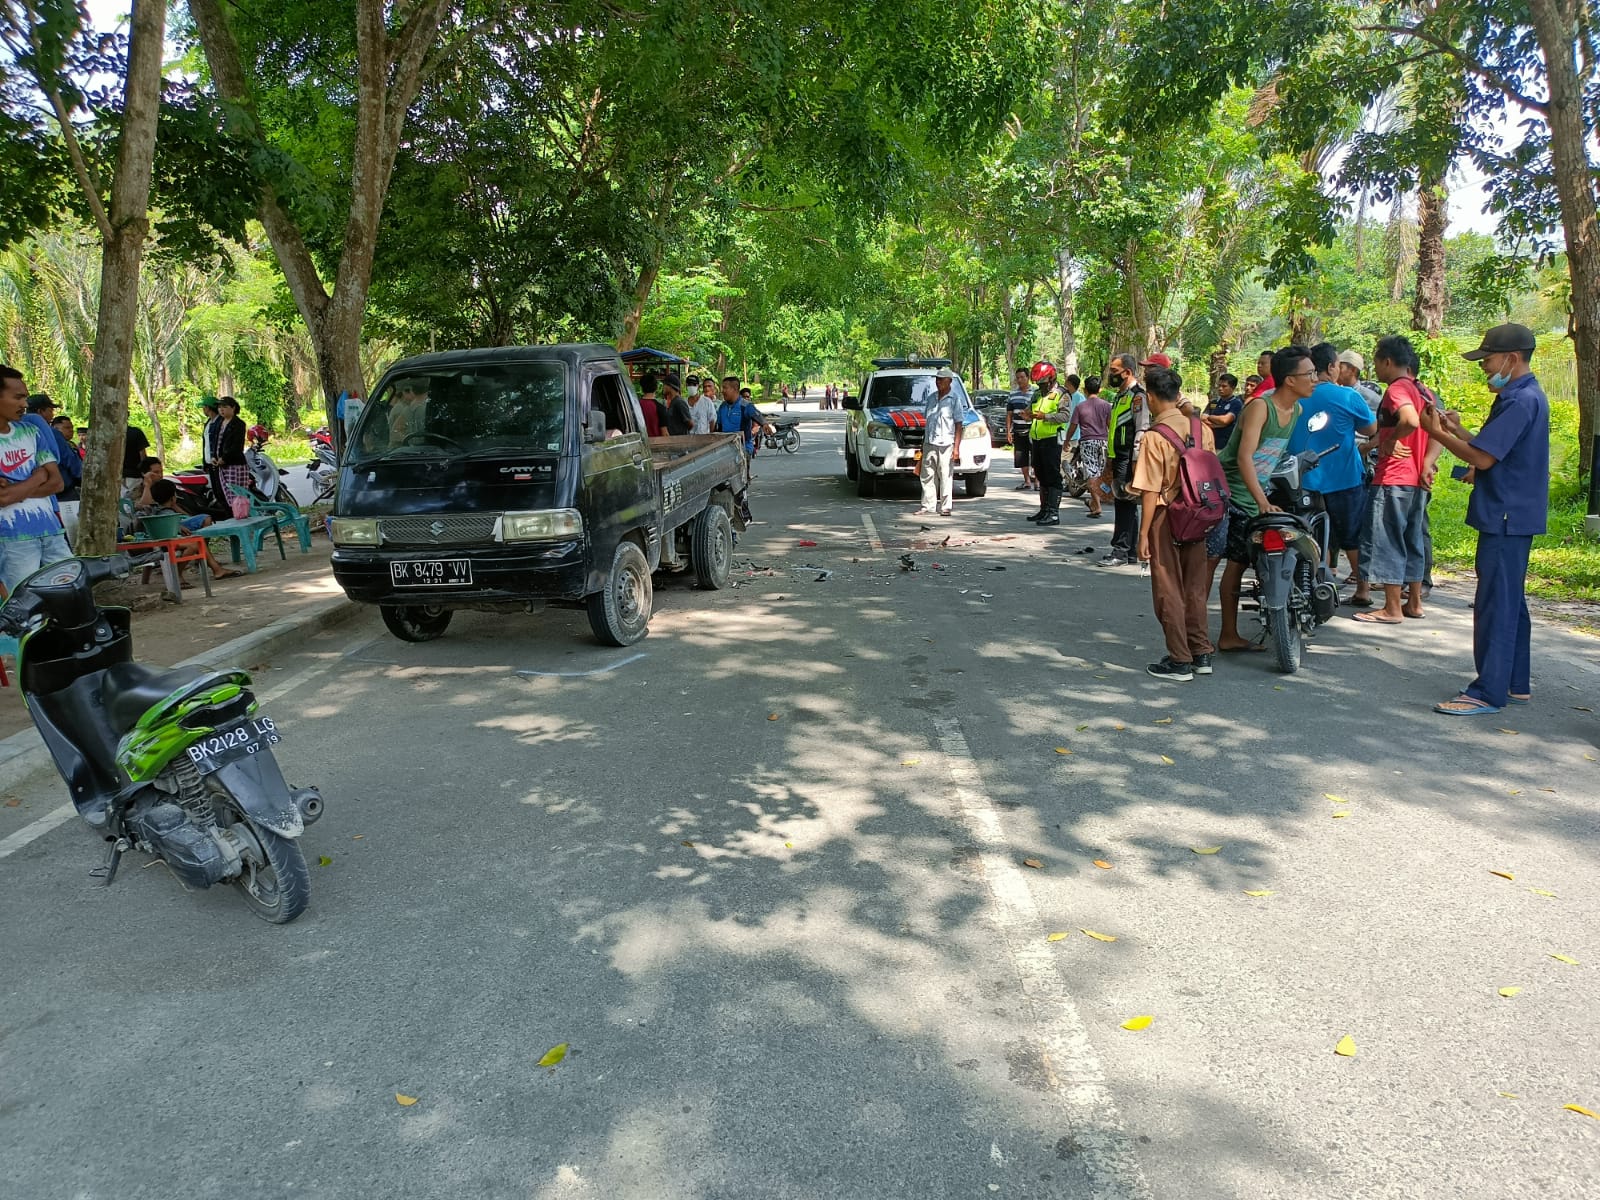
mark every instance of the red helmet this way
{"type": "Point", "coordinates": [1043, 372]}
{"type": "Point", "coordinates": [258, 433]}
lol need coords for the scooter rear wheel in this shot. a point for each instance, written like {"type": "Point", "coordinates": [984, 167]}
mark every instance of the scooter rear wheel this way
{"type": "Point", "coordinates": [276, 886]}
{"type": "Point", "coordinates": [1286, 641]}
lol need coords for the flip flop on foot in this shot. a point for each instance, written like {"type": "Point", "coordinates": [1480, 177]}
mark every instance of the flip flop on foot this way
{"type": "Point", "coordinates": [1375, 618]}
{"type": "Point", "coordinates": [1520, 697]}
{"type": "Point", "coordinates": [1358, 602]}
{"type": "Point", "coordinates": [1465, 706]}
{"type": "Point", "coordinates": [1247, 648]}
{"type": "Point", "coordinates": [1411, 615]}
{"type": "Point", "coordinates": [225, 574]}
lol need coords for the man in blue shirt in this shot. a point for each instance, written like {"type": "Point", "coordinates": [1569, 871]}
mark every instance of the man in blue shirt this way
{"type": "Point", "coordinates": [1510, 460]}
{"type": "Point", "coordinates": [41, 415]}
{"type": "Point", "coordinates": [1330, 419]}
{"type": "Point", "coordinates": [1222, 414]}
{"type": "Point", "coordinates": [737, 415]}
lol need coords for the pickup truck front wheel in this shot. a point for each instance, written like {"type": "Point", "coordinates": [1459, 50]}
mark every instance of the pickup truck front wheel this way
{"type": "Point", "coordinates": [415, 622]}
{"type": "Point", "coordinates": [711, 547]}
{"type": "Point", "coordinates": [620, 615]}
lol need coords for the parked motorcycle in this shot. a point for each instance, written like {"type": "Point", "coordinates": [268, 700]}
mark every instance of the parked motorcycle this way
{"type": "Point", "coordinates": [785, 436]}
{"type": "Point", "coordinates": [177, 763]}
{"type": "Point", "coordinates": [323, 471]}
{"type": "Point", "coordinates": [1289, 550]}
{"type": "Point", "coordinates": [1074, 479]}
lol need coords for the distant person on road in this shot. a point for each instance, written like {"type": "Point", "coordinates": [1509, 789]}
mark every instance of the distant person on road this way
{"type": "Point", "coordinates": [1017, 405]}
{"type": "Point", "coordinates": [1044, 443]}
{"type": "Point", "coordinates": [1072, 397]}
{"type": "Point", "coordinates": [1129, 417]}
{"type": "Point", "coordinates": [1510, 463]}
{"type": "Point", "coordinates": [1179, 583]}
{"type": "Point", "coordinates": [1090, 423]}
{"type": "Point", "coordinates": [941, 444]}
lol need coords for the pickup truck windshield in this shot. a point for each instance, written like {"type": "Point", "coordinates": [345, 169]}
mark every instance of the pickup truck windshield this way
{"type": "Point", "coordinates": [519, 408]}
{"type": "Point", "coordinates": [908, 391]}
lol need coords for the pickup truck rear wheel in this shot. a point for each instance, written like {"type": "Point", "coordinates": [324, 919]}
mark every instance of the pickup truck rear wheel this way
{"type": "Point", "coordinates": [415, 622]}
{"type": "Point", "coordinates": [620, 614]}
{"type": "Point", "coordinates": [711, 547]}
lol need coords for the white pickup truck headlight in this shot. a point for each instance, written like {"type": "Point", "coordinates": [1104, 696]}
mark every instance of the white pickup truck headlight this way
{"type": "Point", "coordinates": [879, 432]}
{"type": "Point", "coordinates": [541, 526]}
{"type": "Point", "coordinates": [355, 531]}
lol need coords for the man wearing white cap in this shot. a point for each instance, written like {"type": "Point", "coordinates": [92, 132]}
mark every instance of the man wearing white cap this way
{"type": "Point", "coordinates": [941, 444]}
{"type": "Point", "coordinates": [1347, 373]}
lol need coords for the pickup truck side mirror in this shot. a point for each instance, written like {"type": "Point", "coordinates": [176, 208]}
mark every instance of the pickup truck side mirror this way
{"type": "Point", "coordinates": [594, 428]}
{"type": "Point", "coordinates": [852, 403]}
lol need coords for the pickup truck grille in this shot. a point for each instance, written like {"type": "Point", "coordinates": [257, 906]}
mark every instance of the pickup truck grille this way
{"type": "Point", "coordinates": [444, 529]}
{"type": "Point", "coordinates": [910, 439]}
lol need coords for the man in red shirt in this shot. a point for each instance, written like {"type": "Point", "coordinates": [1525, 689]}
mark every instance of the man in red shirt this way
{"type": "Point", "coordinates": [1263, 369]}
{"type": "Point", "coordinates": [1397, 518]}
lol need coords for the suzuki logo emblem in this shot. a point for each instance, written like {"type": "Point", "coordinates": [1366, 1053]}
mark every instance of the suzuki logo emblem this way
{"type": "Point", "coordinates": [436, 528]}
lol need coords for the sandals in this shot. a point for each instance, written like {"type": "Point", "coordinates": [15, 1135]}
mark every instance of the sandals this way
{"type": "Point", "coordinates": [226, 574]}
{"type": "Point", "coordinates": [1375, 618]}
{"type": "Point", "coordinates": [1465, 706]}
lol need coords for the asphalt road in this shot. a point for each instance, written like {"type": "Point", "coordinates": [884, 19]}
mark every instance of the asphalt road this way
{"type": "Point", "coordinates": [766, 874]}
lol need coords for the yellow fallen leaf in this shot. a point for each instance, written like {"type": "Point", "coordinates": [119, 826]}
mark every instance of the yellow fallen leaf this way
{"type": "Point", "coordinates": [1119, 728]}
{"type": "Point", "coordinates": [1509, 992]}
{"type": "Point", "coordinates": [404, 1101]}
{"type": "Point", "coordinates": [772, 716]}
{"type": "Point", "coordinates": [1137, 1023]}
{"type": "Point", "coordinates": [553, 1055]}
{"type": "Point", "coordinates": [1589, 758]}
{"type": "Point", "coordinates": [1503, 874]}
{"type": "Point", "coordinates": [1099, 937]}
{"type": "Point", "coordinates": [1164, 721]}
{"type": "Point", "coordinates": [1578, 1108]}
{"type": "Point", "coordinates": [1510, 1095]}
{"type": "Point", "coordinates": [909, 762]}
{"type": "Point", "coordinates": [1062, 750]}
{"type": "Point", "coordinates": [687, 843]}
{"type": "Point", "coordinates": [1102, 864]}
{"type": "Point", "coordinates": [1514, 791]}
{"type": "Point", "coordinates": [1566, 958]}
{"type": "Point", "coordinates": [1341, 813]}
{"type": "Point", "coordinates": [1057, 937]}
{"type": "Point", "coordinates": [356, 837]}
{"type": "Point", "coordinates": [1205, 849]}
{"type": "Point", "coordinates": [1277, 687]}
{"type": "Point", "coordinates": [1166, 760]}
{"type": "Point", "coordinates": [788, 845]}
{"type": "Point", "coordinates": [1335, 799]}
{"type": "Point", "coordinates": [1512, 732]}
{"type": "Point", "coordinates": [1547, 789]}
{"type": "Point", "coordinates": [324, 861]}
{"type": "Point", "coordinates": [1542, 892]}
{"type": "Point", "coordinates": [1081, 728]}
{"type": "Point", "coordinates": [1034, 863]}
{"type": "Point", "coordinates": [1259, 894]}
{"type": "Point", "coordinates": [1346, 1047]}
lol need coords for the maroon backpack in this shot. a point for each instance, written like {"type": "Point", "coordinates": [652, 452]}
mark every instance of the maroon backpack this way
{"type": "Point", "coordinates": [1202, 498]}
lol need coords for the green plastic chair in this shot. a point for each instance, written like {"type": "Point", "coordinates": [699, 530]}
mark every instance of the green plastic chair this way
{"type": "Point", "coordinates": [286, 515]}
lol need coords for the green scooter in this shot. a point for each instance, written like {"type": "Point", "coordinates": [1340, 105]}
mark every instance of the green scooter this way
{"type": "Point", "coordinates": [176, 763]}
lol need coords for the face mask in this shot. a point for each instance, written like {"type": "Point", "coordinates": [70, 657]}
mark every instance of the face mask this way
{"type": "Point", "coordinates": [1498, 380]}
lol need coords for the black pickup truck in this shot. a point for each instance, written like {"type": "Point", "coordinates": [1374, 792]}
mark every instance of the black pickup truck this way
{"type": "Point", "coordinates": [495, 479]}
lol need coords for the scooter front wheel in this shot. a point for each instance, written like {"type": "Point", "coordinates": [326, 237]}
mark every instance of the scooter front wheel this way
{"type": "Point", "coordinates": [275, 884]}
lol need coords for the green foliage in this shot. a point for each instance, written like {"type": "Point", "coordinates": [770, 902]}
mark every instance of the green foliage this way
{"type": "Point", "coordinates": [258, 386]}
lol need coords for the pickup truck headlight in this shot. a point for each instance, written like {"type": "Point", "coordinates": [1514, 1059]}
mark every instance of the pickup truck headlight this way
{"type": "Point", "coordinates": [541, 526]}
{"type": "Point", "coordinates": [879, 432]}
{"type": "Point", "coordinates": [355, 531]}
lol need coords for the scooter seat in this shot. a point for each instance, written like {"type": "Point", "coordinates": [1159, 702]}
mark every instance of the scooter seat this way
{"type": "Point", "coordinates": [130, 689]}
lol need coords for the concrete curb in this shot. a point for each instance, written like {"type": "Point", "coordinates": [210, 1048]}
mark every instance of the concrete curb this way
{"type": "Point", "coordinates": [23, 754]}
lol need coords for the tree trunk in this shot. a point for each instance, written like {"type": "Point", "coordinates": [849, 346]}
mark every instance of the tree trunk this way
{"type": "Point", "coordinates": [1066, 306]}
{"type": "Point", "coordinates": [641, 294]}
{"type": "Point", "coordinates": [1555, 24]}
{"type": "Point", "coordinates": [1010, 333]}
{"type": "Point", "coordinates": [1217, 367]}
{"type": "Point", "coordinates": [119, 282]}
{"type": "Point", "coordinates": [1433, 214]}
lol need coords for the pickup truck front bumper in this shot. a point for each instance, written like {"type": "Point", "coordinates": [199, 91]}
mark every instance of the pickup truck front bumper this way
{"type": "Point", "coordinates": [500, 574]}
{"type": "Point", "coordinates": [888, 458]}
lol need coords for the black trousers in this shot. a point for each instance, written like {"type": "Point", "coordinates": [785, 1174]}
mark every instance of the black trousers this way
{"type": "Point", "coordinates": [1046, 459]}
{"type": "Point", "coordinates": [1125, 514]}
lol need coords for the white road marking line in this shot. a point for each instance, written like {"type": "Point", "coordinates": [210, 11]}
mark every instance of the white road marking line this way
{"type": "Point", "coordinates": [36, 829]}
{"type": "Point", "coordinates": [58, 816]}
{"type": "Point", "coordinates": [1113, 1168]}
{"type": "Point", "coordinates": [621, 662]}
{"type": "Point", "coordinates": [873, 539]}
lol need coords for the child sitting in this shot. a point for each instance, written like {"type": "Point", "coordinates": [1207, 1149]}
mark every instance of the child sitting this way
{"type": "Point", "coordinates": [164, 498]}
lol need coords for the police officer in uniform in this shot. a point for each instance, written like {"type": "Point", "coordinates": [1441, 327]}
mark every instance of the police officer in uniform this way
{"type": "Point", "coordinates": [1044, 449]}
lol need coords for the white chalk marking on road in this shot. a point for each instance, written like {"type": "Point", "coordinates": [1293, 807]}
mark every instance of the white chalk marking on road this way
{"type": "Point", "coordinates": [873, 539]}
{"type": "Point", "coordinates": [58, 816]}
{"type": "Point", "coordinates": [622, 662]}
{"type": "Point", "coordinates": [1113, 1168]}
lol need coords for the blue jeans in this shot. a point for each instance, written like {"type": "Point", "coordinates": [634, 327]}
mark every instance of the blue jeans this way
{"type": "Point", "coordinates": [21, 557]}
{"type": "Point", "coordinates": [1501, 630]}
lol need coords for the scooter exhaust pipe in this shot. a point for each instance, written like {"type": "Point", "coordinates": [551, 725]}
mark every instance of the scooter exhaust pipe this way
{"type": "Point", "coordinates": [309, 802]}
{"type": "Point", "coordinates": [1324, 601]}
